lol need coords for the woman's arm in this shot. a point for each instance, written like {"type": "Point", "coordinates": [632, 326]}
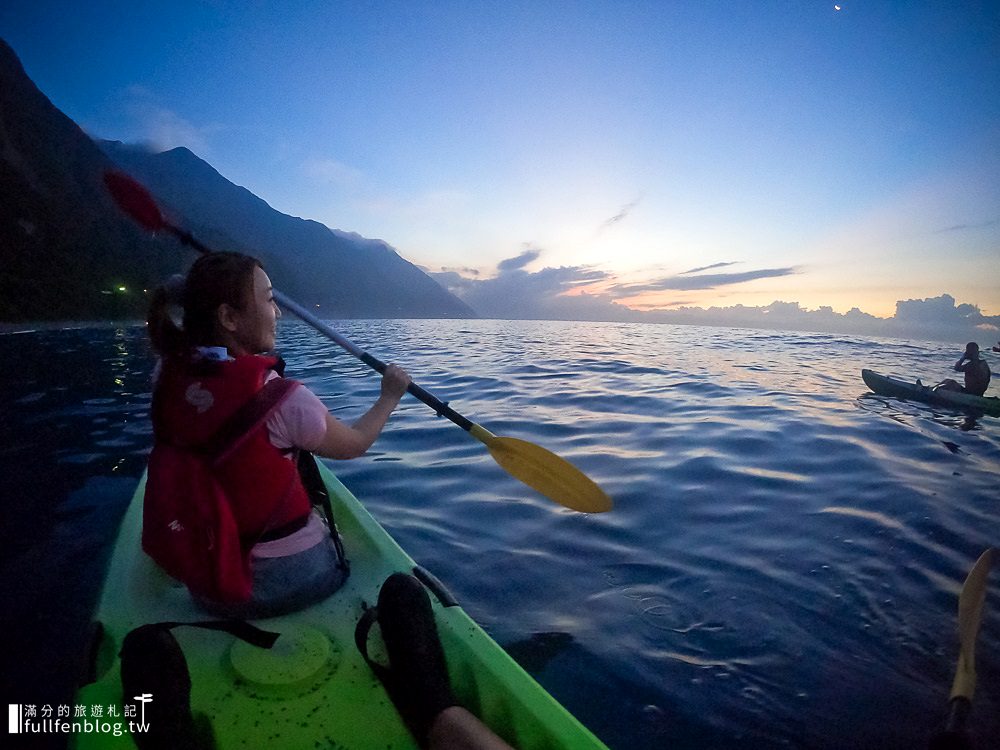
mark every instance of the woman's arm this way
{"type": "Point", "coordinates": [350, 441]}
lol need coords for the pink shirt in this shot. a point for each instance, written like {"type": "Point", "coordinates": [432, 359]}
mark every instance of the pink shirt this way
{"type": "Point", "coordinates": [299, 422]}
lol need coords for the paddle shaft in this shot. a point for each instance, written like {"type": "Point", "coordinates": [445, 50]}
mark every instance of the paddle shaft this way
{"type": "Point", "coordinates": [542, 470]}
{"type": "Point", "coordinates": [439, 406]}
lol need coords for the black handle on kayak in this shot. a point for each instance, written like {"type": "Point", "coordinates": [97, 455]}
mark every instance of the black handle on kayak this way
{"type": "Point", "coordinates": [434, 584]}
{"type": "Point", "coordinates": [442, 409]}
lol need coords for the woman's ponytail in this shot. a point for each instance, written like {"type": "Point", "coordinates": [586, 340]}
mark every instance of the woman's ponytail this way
{"type": "Point", "coordinates": [168, 338]}
{"type": "Point", "coordinates": [214, 279]}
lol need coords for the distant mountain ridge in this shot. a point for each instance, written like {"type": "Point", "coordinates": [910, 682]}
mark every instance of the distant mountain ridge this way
{"type": "Point", "coordinates": [66, 252]}
{"type": "Point", "coordinates": [69, 253]}
{"type": "Point", "coordinates": [347, 276]}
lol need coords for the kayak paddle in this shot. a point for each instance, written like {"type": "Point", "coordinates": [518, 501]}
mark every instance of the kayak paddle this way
{"type": "Point", "coordinates": [540, 469]}
{"type": "Point", "coordinates": [970, 613]}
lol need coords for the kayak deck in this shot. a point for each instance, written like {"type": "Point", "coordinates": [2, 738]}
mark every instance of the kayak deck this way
{"type": "Point", "coordinates": [886, 386]}
{"type": "Point", "coordinates": [313, 689]}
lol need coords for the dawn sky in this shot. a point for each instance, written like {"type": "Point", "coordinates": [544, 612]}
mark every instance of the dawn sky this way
{"type": "Point", "coordinates": [654, 154]}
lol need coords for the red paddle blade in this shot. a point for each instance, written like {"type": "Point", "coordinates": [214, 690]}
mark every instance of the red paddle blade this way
{"type": "Point", "coordinates": [134, 199]}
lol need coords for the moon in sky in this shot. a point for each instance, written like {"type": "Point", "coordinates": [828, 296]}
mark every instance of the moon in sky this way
{"type": "Point", "coordinates": [836, 7]}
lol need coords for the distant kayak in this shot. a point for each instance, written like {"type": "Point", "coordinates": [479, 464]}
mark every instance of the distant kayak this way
{"type": "Point", "coordinates": [886, 386]}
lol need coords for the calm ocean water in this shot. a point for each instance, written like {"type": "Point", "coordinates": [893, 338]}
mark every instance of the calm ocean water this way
{"type": "Point", "coordinates": [781, 568]}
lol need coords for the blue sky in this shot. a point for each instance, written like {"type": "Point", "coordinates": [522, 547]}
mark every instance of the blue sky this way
{"type": "Point", "coordinates": [789, 150]}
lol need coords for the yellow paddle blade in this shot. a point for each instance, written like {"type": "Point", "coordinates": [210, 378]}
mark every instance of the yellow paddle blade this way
{"type": "Point", "coordinates": [970, 613]}
{"type": "Point", "coordinates": [544, 471]}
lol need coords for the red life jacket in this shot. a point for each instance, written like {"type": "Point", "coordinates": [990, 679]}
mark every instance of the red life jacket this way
{"type": "Point", "coordinates": [243, 492]}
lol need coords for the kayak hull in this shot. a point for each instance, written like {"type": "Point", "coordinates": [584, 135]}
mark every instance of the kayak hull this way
{"type": "Point", "coordinates": [886, 386]}
{"type": "Point", "coordinates": [313, 689]}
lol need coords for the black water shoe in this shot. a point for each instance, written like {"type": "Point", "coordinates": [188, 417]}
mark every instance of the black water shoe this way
{"type": "Point", "coordinates": [155, 679]}
{"type": "Point", "coordinates": [417, 677]}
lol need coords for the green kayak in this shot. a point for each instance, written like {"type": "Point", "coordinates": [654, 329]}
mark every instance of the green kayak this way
{"type": "Point", "coordinates": [313, 688]}
{"type": "Point", "coordinates": [886, 386]}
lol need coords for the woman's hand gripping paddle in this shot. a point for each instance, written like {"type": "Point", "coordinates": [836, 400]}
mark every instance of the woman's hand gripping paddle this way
{"type": "Point", "coordinates": [540, 469]}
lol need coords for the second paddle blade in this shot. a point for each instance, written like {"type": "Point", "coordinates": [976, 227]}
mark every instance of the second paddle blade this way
{"type": "Point", "coordinates": [134, 200]}
{"type": "Point", "coordinates": [970, 613]}
{"type": "Point", "coordinates": [544, 471]}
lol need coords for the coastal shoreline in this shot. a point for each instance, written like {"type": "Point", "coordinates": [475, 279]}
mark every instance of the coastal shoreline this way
{"type": "Point", "coordinates": [65, 325]}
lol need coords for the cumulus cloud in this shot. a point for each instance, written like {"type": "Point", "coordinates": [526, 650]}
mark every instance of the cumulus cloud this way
{"type": "Point", "coordinates": [934, 318]}
{"type": "Point", "coordinates": [790, 316]}
{"type": "Point", "coordinates": [518, 294]}
{"type": "Point", "coordinates": [938, 317]}
{"type": "Point", "coordinates": [934, 310]}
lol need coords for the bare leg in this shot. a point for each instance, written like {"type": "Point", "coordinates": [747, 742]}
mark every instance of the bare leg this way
{"type": "Point", "coordinates": [948, 385]}
{"type": "Point", "coordinates": [457, 729]}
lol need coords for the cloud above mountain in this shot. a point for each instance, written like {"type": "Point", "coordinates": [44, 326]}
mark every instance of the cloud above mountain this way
{"type": "Point", "coordinates": [514, 293]}
{"type": "Point", "coordinates": [162, 128]}
{"type": "Point", "coordinates": [512, 264]}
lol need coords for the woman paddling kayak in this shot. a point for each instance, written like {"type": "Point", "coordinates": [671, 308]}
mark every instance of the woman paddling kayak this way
{"type": "Point", "coordinates": [226, 511]}
{"type": "Point", "coordinates": [208, 370]}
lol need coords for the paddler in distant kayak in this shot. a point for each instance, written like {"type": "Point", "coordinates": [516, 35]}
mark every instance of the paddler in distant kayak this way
{"type": "Point", "coordinates": [977, 373]}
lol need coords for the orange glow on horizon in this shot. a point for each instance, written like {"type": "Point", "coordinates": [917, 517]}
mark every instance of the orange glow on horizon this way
{"type": "Point", "coordinates": [873, 303]}
{"type": "Point", "coordinates": [840, 303]}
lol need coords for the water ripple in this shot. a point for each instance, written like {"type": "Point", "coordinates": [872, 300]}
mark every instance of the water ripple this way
{"type": "Point", "coordinates": [781, 567]}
